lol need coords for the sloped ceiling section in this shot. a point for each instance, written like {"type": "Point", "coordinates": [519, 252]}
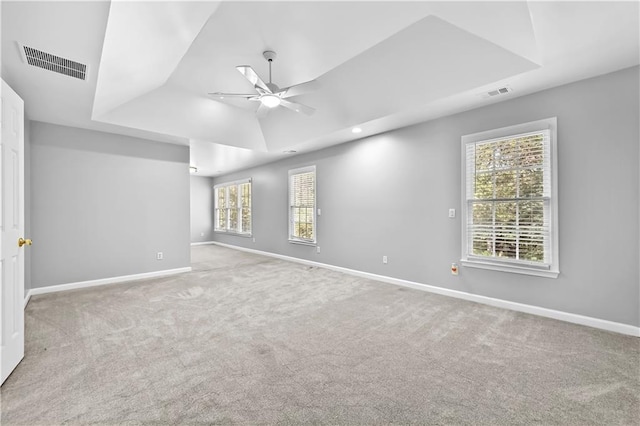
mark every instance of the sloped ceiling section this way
{"type": "Point", "coordinates": [173, 111]}
{"type": "Point", "coordinates": [143, 44]}
{"type": "Point", "coordinates": [429, 60]}
{"type": "Point", "coordinates": [370, 59]}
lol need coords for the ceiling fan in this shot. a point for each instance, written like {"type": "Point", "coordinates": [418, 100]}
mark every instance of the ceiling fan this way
{"type": "Point", "coordinates": [269, 94]}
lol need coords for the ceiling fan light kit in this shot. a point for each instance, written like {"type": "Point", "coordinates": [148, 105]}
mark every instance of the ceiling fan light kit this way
{"type": "Point", "coordinates": [270, 101]}
{"type": "Point", "coordinates": [269, 94]}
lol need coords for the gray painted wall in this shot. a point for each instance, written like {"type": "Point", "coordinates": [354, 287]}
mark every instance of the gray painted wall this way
{"type": "Point", "coordinates": [389, 195]}
{"type": "Point", "coordinates": [103, 205]}
{"type": "Point", "coordinates": [27, 202]}
{"type": "Point", "coordinates": [201, 209]}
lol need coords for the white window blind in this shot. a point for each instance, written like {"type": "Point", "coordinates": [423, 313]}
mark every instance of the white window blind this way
{"type": "Point", "coordinates": [221, 208]}
{"type": "Point", "coordinates": [233, 207]}
{"type": "Point", "coordinates": [509, 200]}
{"type": "Point", "coordinates": [302, 205]}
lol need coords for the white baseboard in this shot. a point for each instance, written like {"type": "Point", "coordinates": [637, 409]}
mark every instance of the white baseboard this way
{"type": "Point", "coordinates": [27, 297]}
{"type": "Point", "coordinates": [103, 281]}
{"type": "Point", "coordinates": [499, 303]}
{"type": "Point", "coordinates": [203, 243]}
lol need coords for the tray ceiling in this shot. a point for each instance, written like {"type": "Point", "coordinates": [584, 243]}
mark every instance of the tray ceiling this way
{"type": "Point", "coordinates": [379, 65]}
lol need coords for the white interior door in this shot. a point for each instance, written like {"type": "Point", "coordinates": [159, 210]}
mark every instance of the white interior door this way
{"type": "Point", "coordinates": [12, 229]}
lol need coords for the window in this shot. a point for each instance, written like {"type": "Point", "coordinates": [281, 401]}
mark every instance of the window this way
{"type": "Point", "coordinates": [510, 199]}
{"type": "Point", "coordinates": [233, 207]}
{"type": "Point", "coordinates": [302, 205]}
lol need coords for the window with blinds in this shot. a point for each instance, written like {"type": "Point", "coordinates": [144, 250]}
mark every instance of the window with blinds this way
{"type": "Point", "coordinates": [509, 206]}
{"type": "Point", "coordinates": [302, 205]}
{"type": "Point", "coordinates": [233, 207]}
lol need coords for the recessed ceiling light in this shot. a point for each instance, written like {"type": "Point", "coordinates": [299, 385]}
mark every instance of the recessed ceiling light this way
{"type": "Point", "coordinates": [289, 151]}
{"type": "Point", "coordinates": [356, 130]}
{"type": "Point", "coordinates": [221, 97]}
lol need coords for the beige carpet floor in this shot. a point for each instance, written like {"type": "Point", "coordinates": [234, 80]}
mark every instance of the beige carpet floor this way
{"type": "Point", "coordinates": [245, 339]}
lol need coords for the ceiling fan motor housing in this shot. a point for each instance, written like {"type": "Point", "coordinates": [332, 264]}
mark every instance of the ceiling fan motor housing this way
{"type": "Point", "coordinates": [273, 87]}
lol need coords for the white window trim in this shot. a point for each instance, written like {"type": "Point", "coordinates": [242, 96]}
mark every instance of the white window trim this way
{"type": "Point", "coordinates": [550, 271]}
{"type": "Point", "coordinates": [215, 201]}
{"type": "Point", "coordinates": [292, 239]}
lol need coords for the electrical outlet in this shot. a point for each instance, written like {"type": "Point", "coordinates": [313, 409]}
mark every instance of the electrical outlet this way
{"type": "Point", "coordinates": [318, 249]}
{"type": "Point", "coordinates": [159, 256]}
{"type": "Point", "coordinates": [454, 269]}
{"type": "Point", "coordinates": [385, 260]}
{"type": "Point", "coordinates": [254, 239]}
{"type": "Point", "coordinates": [452, 213]}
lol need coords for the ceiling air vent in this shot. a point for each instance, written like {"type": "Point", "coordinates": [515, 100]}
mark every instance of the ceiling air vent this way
{"type": "Point", "coordinates": [54, 63]}
{"type": "Point", "coordinates": [501, 91]}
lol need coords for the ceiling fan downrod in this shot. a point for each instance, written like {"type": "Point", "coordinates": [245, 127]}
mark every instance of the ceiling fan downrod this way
{"type": "Point", "coordinates": [269, 55]}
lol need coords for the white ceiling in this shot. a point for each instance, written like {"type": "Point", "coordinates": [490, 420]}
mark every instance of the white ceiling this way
{"type": "Point", "coordinates": [379, 65]}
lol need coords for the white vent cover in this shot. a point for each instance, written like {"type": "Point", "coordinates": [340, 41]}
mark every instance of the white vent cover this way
{"type": "Point", "coordinates": [54, 63]}
{"type": "Point", "coordinates": [500, 91]}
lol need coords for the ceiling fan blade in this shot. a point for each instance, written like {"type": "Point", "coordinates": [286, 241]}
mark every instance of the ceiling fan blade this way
{"type": "Point", "coordinates": [251, 75]}
{"type": "Point", "coordinates": [297, 107]}
{"type": "Point", "coordinates": [262, 111]}
{"type": "Point", "coordinates": [299, 89]}
{"type": "Point", "coordinates": [261, 91]}
{"type": "Point", "coordinates": [232, 95]}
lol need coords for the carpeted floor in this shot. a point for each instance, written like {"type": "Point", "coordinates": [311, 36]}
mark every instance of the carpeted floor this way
{"type": "Point", "coordinates": [245, 339]}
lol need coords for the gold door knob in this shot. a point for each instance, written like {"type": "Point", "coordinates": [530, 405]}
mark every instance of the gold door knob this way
{"type": "Point", "coordinates": [22, 242]}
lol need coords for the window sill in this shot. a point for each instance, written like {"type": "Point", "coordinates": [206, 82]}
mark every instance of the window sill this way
{"type": "Point", "coordinates": [516, 269]}
{"type": "Point", "coordinates": [235, 234]}
{"type": "Point", "coordinates": [303, 243]}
